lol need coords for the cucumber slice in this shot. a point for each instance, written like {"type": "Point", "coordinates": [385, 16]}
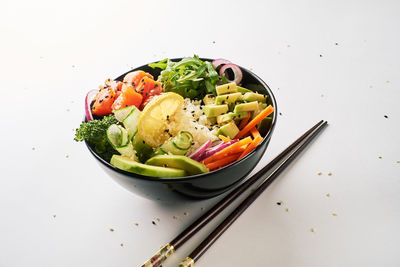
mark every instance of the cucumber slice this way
{"type": "Point", "coordinates": [243, 90]}
{"type": "Point", "coordinates": [122, 113]}
{"type": "Point", "coordinates": [178, 145]}
{"type": "Point", "coordinates": [117, 135]}
{"type": "Point", "coordinates": [127, 151]}
{"type": "Point", "coordinates": [131, 121]}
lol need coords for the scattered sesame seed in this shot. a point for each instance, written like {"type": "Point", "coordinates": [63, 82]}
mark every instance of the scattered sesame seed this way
{"type": "Point", "coordinates": [334, 214]}
{"type": "Point", "coordinates": [213, 42]}
{"type": "Point", "coordinates": [54, 215]}
{"type": "Point", "coordinates": [280, 113]}
{"type": "Point", "coordinates": [175, 217]}
{"type": "Point", "coordinates": [329, 173]}
{"type": "Point", "coordinates": [122, 244]}
{"type": "Point", "coordinates": [287, 209]}
{"type": "Point", "coordinates": [111, 229]}
{"type": "Point", "coordinates": [320, 55]}
{"type": "Point", "coordinates": [33, 148]}
{"type": "Point", "coordinates": [322, 95]}
{"type": "Point", "coordinates": [379, 157]}
{"type": "Point", "coordinates": [73, 66]}
{"type": "Point", "coordinates": [328, 195]}
{"type": "Point", "coordinates": [397, 161]}
{"type": "Point", "coordinates": [153, 222]}
{"type": "Point", "coordinates": [319, 173]}
{"type": "Point", "coordinates": [186, 213]}
{"type": "Point", "coordinates": [278, 203]}
{"type": "Point", "coordinates": [67, 156]}
{"type": "Point", "coordinates": [288, 46]}
{"type": "Point", "coordinates": [137, 224]}
{"type": "Point", "coordinates": [313, 230]}
{"type": "Point", "coordinates": [336, 43]}
{"type": "Point", "coordinates": [386, 116]}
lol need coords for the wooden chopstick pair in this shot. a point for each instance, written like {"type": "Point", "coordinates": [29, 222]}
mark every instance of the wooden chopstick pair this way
{"type": "Point", "coordinates": [289, 154]}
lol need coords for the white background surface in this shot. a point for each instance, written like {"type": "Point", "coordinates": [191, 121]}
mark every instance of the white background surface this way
{"type": "Point", "coordinates": [52, 53]}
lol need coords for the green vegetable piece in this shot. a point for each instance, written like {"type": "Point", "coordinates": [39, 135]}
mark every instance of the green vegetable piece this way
{"type": "Point", "coordinates": [255, 97]}
{"type": "Point", "coordinates": [251, 106]}
{"type": "Point", "coordinates": [209, 99]}
{"type": "Point", "coordinates": [230, 130]}
{"type": "Point", "coordinates": [143, 150]}
{"type": "Point", "coordinates": [131, 121]}
{"type": "Point", "coordinates": [95, 132]}
{"type": "Point", "coordinates": [243, 90]}
{"type": "Point", "coordinates": [191, 166]}
{"type": "Point", "coordinates": [226, 88]}
{"type": "Point", "coordinates": [179, 144]}
{"type": "Point", "coordinates": [228, 98]}
{"type": "Point", "coordinates": [122, 113]}
{"type": "Point", "coordinates": [224, 118]}
{"type": "Point", "coordinates": [215, 110]}
{"type": "Point", "coordinates": [130, 165]}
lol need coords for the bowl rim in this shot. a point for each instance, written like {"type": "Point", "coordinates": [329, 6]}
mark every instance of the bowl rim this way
{"type": "Point", "coordinates": [266, 138]}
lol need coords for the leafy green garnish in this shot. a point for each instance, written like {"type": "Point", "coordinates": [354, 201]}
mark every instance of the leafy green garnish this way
{"type": "Point", "coordinates": [95, 132]}
{"type": "Point", "coordinates": [190, 77]}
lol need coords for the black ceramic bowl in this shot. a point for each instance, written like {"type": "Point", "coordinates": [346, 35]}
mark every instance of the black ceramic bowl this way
{"type": "Point", "coordinates": [202, 185]}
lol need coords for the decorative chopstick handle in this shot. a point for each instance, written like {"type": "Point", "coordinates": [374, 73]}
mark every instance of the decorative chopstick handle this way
{"type": "Point", "coordinates": [188, 262]}
{"type": "Point", "coordinates": [160, 256]}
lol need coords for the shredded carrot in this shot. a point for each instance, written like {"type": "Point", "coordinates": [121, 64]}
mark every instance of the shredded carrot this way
{"type": "Point", "coordinates": [263, 114]}
{"type": "Point", "coordinates": [232, 149]}
{"type": "Point", "coordinates": [224, 138]}
{"type": "Point", "coordinates": [254, 132]}
{"type": "Point", "coordinates": [222, 162]}
{"type": "Point", "coordinates": [244, 121]}
{"type": "Point", "coordinates": [251, 147]}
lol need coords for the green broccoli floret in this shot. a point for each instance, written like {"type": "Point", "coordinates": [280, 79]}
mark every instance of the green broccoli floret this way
{"type": "Point", "coordinates": [95, 132]}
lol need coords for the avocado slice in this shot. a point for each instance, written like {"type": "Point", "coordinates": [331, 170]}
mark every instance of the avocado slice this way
{"type": "Point", "coordinates": [255, 97]}
{"type": "Point", "coordinates": [221, 119]}
{"type": "Point", "coordinates": [129, 165]}
{"type": "Point", "coordinates": [242, 89]}
{"type": "Point", "coordinates": [230, 130]}
{"type": "Point", "coordinates": [228, 98]}
{"type": "Point", "coordinates": [215, 110]}
{"type": "Point", "coordinates": [209, 99]}
{"type": "Point", "coordinates": [251, 106]}
{"type": "Point", "coordinates": [226, 88]}
{"type": "Point", "coordinates": [180, 162]}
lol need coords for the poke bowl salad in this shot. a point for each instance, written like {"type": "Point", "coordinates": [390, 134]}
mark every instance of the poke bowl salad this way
{"type": "Point", "coordinates": [194, 118]}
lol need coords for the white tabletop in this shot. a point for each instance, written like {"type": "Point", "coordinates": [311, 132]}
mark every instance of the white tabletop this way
{"type": "Point", "coordinates": [332, 60]}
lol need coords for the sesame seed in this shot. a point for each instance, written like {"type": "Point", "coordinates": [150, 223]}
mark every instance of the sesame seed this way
{"type": "Point", "coordinates": [137, 224]}
{"type": "Point", "coordinates": [153, 222]}
{"type": "Point", "coordinates": [122, 244]}
{"type": "Point", "coordinates": [67, 109]}
{"type": "Point", "coordinates": [386, 116]}
{"type": "Point", "coordinates": [54, 215]}
{"type": "Point", "coordinates": [278, 203]}
{"type": "Point", "coordinates": [313, 230]}
{"type": "Point", "coordinates": [111, 229]}
{"type": "Point", "coordinates": [329, 173]}
{"type": "Point", "coordinates": [379, 157]}
{"type": "Point", "coordinates": [175, 217]}
{"type": "Point", "coordinates": [328, 195]}
{"type": "Point", "coordinates": [186, 213]}
{"type": "Point", "coordinates": [67, 156]}
{"type": "Point", "coordinates": [334, 214]}
{"type": "Point", "coordinates": [287, 209]}
{"type": "Point", "coordinates": [33, 148]}
{"type": "Point", "coordinates": [319, 173]}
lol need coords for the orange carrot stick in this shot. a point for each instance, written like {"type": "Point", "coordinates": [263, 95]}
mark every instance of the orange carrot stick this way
{"type": "Point", "coordinates": [235, 148]}
{"type": "Point", "coordinates": [244, 121]}
{"type": "Point", "coordinates": [252, 146]}
{"type": "Point", "coordinates": [224, 138]}
{"type": "Point", "coordinates": [222, 162]}
{"type": "Point", "coordinates": [254, 132]}
{"type": "Point", "coordinates": [266, 112]}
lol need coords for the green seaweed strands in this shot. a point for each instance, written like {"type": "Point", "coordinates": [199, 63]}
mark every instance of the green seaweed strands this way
{"type": "Point", "coordinates": [160, 256]}
{"type": "Point", "coordinates": [190, 77]}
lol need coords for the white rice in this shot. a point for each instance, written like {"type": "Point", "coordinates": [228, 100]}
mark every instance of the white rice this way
{"type": "Point", "coordinates": [192, 119]}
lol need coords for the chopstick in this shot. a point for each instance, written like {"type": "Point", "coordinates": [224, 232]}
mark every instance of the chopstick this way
{"type": "Point", "coordinates": [222, 227]}
{"type": "Point", "coordinates": [179, 240]}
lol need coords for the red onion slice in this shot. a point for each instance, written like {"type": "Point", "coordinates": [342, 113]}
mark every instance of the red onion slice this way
{"type": "Point", "coordinates": [216, 149]}
{"type": "Point", "coordinates": [237, 72]}
{"type": "Point", "coordinates": [88, 100]}
{"type": "Point", "coordinates": [197, 154]}
{"type": "Point", "coordinates": [220, 61]}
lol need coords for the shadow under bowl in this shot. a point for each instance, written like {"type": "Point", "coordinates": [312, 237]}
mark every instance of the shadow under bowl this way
{"type": "Point", "coordinates": [199, 186]}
